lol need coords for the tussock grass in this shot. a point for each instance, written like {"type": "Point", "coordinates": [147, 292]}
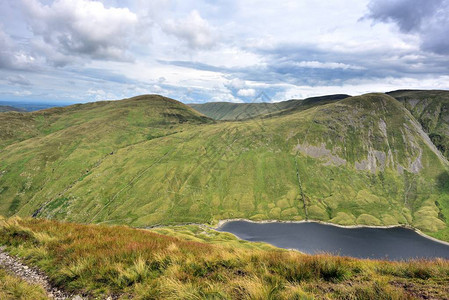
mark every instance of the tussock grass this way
{"type": "Point", "coordinates": [14, 288]}
{"type": "Point", "coordinates": [103, 260]}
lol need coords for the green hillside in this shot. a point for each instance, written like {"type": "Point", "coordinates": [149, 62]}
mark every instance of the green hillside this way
{"type": "Point", "coordinates": [241, 111]}
{"type": "Point", "coordinates": [149, 115]}
{"type": "Point", "coordinates": [151, 160]}
{"type": "Point", "coordinates": [431, 109]}
{"type": "Point", "coordinates": [51, 149]}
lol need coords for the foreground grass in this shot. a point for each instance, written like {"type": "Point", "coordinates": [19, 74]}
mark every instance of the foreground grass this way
{"type": "Point", "coordinates": [133, 263]}
{"type": "Point", "coordinates": [12, 287]}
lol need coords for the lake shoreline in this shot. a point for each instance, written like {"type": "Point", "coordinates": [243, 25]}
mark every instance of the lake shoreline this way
{"type": "Point", "coordinates": [221, 223]}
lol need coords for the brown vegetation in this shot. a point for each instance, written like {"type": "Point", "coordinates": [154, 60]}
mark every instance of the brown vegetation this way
{"type": "Point", "coordinates": [125, 262]}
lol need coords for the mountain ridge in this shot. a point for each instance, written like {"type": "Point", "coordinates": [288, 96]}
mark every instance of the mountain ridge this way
{"type": "Point", "coordinates": [8, 108]}
{"type": "Point", "coordinates": [431, 109]}
{"type": "Point", "coordinates": [228, 111]}
{"type": "Point", "coordinates": [361, 160]}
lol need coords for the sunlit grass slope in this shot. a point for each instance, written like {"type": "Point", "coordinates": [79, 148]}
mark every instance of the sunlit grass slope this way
{"type": "Point", "coordinates": [362, 160]}
{"type": "Point", "coordinates": [129, 120]}
{"type": "Point", "coordinates": [240, 111]}
{"type": "Point", "coordinates": [130, 263]}
{"type": "Point", "coordinates": [52, 149]}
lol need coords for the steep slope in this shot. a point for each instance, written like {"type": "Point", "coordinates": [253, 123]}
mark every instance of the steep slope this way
{"type": "Point", "coordinates": [142, 112]}
{"type": "Point", "coordinates": [431, 109]}
{"type": "Point", "coordinates": [241, 111]}
{"type": "Point", "coordinates": [6, 108]}
{"type": "Point", "coordinates": [362, 160]}
{"type": "Point", "coordinates": [47, 151]}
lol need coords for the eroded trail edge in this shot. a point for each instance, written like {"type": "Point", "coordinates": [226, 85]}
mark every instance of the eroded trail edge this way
{"type": "Point", "coordinates": [32, 276]}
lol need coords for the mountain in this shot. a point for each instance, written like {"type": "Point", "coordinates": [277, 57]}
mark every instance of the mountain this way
{"type": "Point", "coordinates": [152, 160]}
{"type": "Point", "coordinates": [431, 109]}
{"type": "Point", "coordinates": [46, 151]}
{"type": "Point", "coordinates": [241, 111]}
{"type": "Point", "coordinates": [6, 108]}
{"type": "Point", "coordinates": [144, 116]}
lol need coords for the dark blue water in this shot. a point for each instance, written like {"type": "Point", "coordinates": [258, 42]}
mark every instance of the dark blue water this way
{"type": "Point", "coordinates": [312, 238]}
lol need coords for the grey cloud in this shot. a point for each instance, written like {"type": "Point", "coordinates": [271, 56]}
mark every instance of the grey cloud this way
{"type": "Point", "coordinates": [429, 19]}
{"type": "Point", "coordinates": [5, 50]}
{"type": "Point", "coordinates": [408, 14]}
{"type": "Point", "coordinates": [282, 64]}
{"type": "Point", "coordinates": [80, 27]}
{"type": "Point", "coordinates": [18, 80]}
{"type": "Point", "coordinates": [12, 57]}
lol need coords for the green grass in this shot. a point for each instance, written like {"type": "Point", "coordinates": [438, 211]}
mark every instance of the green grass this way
{"type": "Point", "coordinates": [119, 261]}
{"type": "Point", "coordinates": [152, 160]}
{"type": "Point", "coordinates": [240, 111]}
{"type": "Point", "coordinates": [14, 288]}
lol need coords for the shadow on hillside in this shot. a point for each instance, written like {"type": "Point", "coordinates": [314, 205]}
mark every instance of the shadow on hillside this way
{"type": "Point", "coordinates": [443, 181]}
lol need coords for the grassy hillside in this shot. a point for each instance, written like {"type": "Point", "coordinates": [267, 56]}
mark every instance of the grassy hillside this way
{"type": "Point", "coordinates": [132, 119]}
{"type": "Point", "coordinates": [361, 160]}
{"type": "Point", "coordinates": [7, 108]}
{"type": "Point", "coordinates": [49, 150]}
{"type": "Point", "coordinates": [241, 111]}
{"type": "Point", "coordinates": [431, 109]}
{"type": "Point", "coordinates": [131, 263]}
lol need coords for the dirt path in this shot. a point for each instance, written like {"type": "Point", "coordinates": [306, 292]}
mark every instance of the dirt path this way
{"type": "Point", "coordinates": [32, 276]}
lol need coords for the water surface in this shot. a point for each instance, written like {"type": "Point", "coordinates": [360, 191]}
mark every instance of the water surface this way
{"type": "Point", "coordinates": [312, 238]}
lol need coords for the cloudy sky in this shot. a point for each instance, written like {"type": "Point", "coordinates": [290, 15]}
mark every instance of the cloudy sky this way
{"type": "Point", "coordinates": [206, 50]}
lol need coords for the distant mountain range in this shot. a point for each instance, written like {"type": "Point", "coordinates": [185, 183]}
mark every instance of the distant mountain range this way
{"type": "Point", "coordinates": [28, 106]}
{"type": "Point", "coordinates": [5, 108]}
{"type": "Point", "coordinates": [241, 111]}
{"type": "Point", "coordinates": [375, 159]}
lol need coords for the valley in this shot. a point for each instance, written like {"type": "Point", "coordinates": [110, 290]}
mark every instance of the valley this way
{"type": "Point", "coordinates": [221, 150]}
{"type": "Point", "coordinates": [154, 163]}
{"type": "Point", "coordinates": [151, 160]}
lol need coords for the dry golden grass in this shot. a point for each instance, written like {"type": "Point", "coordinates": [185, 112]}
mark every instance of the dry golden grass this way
{"type": "Point", "coordinates": [134, 263]}
{"type": "Point", "coordinates": [14, 288]}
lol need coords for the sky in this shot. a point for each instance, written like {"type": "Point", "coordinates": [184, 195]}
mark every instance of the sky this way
{"type": "Point", "coordinates": [199, 51]}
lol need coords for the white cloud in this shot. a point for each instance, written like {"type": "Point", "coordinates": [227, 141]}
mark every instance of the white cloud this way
{"type": "Point", "coordinates": [246, 92]}
{"type": "Point", "coordinates": [193, 29]}
{"type": "Point", "coordinates": [326, 65]}
{"type": "Point", "coordinates": [201, 50]}
{"type": "Point", "coordinates": [22, 93]}
{"type": "Point", "coordinates": [11, 56]}
{"type": "Point", "coordinates": [236, 83]}
{"type": "Point", "coordinates": [99, 94]}
{"type": "Point", "coordinates": [225, 97]}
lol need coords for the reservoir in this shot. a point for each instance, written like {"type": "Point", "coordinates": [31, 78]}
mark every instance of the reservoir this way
{"type": "Point", "coordinates": [309, 237]}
